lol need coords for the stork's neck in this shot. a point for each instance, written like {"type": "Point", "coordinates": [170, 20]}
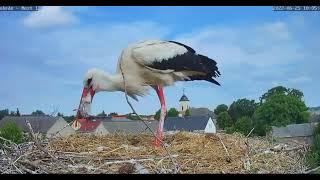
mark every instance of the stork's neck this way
{"type": "Point", "coordinates": [109, 82]}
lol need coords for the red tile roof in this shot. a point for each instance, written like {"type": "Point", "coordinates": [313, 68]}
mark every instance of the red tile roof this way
{"type": "Point", "coordinates": [88, 125]}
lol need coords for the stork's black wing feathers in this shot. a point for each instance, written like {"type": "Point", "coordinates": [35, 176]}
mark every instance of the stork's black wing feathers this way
{"type": "Point", "coordinates": [190, 61]}
{"type": "Point", "coordinates": [187, 47]}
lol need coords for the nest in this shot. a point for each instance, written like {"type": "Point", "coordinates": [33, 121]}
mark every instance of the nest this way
{"type": "Point", "coordinates": [123, 153]}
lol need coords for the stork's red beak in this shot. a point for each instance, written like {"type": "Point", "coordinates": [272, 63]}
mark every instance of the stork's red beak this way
{"type": "Point", "coordinates": [85, 92]}
{"type": "Point", "coordinates": [86, 98]}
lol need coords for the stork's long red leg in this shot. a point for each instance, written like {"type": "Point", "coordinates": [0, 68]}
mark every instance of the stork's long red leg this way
{"type": "Point", "coordinates": [163, 111]}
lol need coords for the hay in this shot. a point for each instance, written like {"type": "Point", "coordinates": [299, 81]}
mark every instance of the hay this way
{"type": "Point", "coordinates": [120, 153]}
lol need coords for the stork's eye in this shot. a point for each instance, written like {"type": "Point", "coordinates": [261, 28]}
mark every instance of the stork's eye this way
{"type": "Point", "coordinates": [89, 81]}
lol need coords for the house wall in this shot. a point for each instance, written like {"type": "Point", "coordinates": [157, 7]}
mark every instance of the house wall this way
{"type": "Point", "coordinates": [210, 127]}
{"type": "Point", "coordinates": [57, 126]}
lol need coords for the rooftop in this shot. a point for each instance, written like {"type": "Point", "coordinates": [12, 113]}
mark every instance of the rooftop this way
{"type": "Point", "coordinates": [188, 123]}
{"type": "Point", "coordinates": [184, 98]}
{"type": "Point", "coordinates": [40, 124]}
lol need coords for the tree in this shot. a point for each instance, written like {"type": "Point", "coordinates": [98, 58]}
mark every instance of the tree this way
{"type": "Point", "coordinates": [18, 113]}
{"type": "Point", "coordinates": [241, 108]}
{"type": "Point", "coordinates": [224, 120]}
{"type": "Point", "coordinates": [280, 108]}
{"type": "Point", "coordinates": [133, 116]}
{"type": "Point", "coordinates": [243, 125]}
{"type": "Point", "coordinates": [172, 112]}
{"type": "Point", "coordinates": [102, 114]}
{"type": "Point", "coordinates": [69, 118]}
{"type": "Point", "coordinates": [220, 108]}
{"type": "Point", "coordinates": [38, 113]}
{"type": "Point", "coordinates": [272, 91]}
{"type": "Point", "coordinates": [187, 113]}
{"type": "Point", "coordinates": [281, 90]}
{"type": "Point", "coordinates": [296, 93]}
{"type": "Point", "coordinates": [157, 115]}
{"type": "Point", "coordinates": [113, 114]}
{"type": "Point", "coordinates": [12, 113]}
{"type": "Point", "coordinates": [11, 131]}
{"type": "Point", "coordinates": [3, 113]}
{"type": "Point", "coordinates": [60, 114]}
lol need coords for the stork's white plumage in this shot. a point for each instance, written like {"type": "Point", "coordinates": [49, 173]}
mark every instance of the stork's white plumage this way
{"type": "Point", "coordinates": [150, 64]}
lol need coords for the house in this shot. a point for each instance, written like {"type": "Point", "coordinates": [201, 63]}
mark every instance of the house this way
{"type": "Point", "coordinates": [111, 125]}
{"type": "Point", "coordinates": [46, 125]}
{"type": "Point", "coordinates": [302, 133]}
{"type": "Point", "coordinates": [129, 127]}
{"type": "Point", "coordinates": [202, 124]}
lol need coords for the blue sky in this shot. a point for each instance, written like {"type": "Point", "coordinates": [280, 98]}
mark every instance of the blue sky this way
{"type": "Point", "coordinates": [44, 54]}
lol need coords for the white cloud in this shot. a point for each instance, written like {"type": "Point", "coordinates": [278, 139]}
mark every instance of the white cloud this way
{"type": "Point", "coordinates": [261, 45]}
{"type": "Point", "coordinates": [98, 45]}
{"type": "Point", "coordinates": [299, 80]}
{"type": "Point", "coordinates": [49, 16]}
{"type": "Point", "coordinates": [275, 29]}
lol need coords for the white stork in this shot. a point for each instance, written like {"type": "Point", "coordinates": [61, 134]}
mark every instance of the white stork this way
{"type": "Point", "coordinates": [152, 63]}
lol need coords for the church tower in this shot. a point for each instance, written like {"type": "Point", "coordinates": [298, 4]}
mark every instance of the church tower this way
{"type": "Point", "coordinates": [184, 104]}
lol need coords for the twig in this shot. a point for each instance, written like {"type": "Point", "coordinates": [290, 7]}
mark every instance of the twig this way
{"type": "Point", "coordinates": [137, 160]}
{"type": "Point", "coordinates": [31, 130]}
{"type": "Point", "coordinates": [126, 95]}
{"type": "Point", "coordinates": [17, 168]}
{"type": "Point", "coordinates": [4, 139]}
{"type": "Point", "coordinates": [55, 111]}
{"type": "Point", "coordinates": [225, 148]}
{"type": "Point", "coordinates": [312, 170]}
{"type": "Point", "coordinates": [52, 136]}
{"type": "Point", "coordinates": [250, 132]}
{"type": "Point", "coordinates": [35, 140]}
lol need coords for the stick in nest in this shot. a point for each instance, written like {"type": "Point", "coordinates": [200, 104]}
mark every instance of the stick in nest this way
{"type": "Point", "coordinates": [225, 148]}
{"type": "Point", "coordinates": [126, 95]}
{"type": "Point", "coordinates": [36, 141]}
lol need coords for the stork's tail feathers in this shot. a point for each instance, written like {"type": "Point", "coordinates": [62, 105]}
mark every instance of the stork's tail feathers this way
{"type": "Point", "coordinates": [209, 68]}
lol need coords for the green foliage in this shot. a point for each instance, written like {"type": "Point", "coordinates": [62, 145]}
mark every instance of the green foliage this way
{"type": "Point", "coordinates": [3, 113]}
{"type": "Point", "coordinates": [313, 156]}
{"type": "Point", "coordinates": [241, 108]}
{"type": "Point", "coordinates": [224, 120]}
{"type": "Point", "coordinates": [38, 113]}
{"type": "Point", "coordinates": [60, 114]}
{"type": "Point", "coordinates": [18, 113]}
{"type": "Point", "coordinates": [173, 112]}
{"type": "Point", "coordinates": [280, 110]}
{"type": "Point", "coordinates": [12, 132]}
{"type": "Point", "coordinates": [133, 117]}
{"type": "Point", "coordinates": [243, 125]}
{"type": "Point", "coordinates": [220, 108]}
{"type": "Point", "coordinates": [281, 90]}
{"type": "Point", "coordinates": [113, 114]}
{"type": "Point", "coordinates": [102, 114]}
{"type": "Point", "coordinates": [69, 118]}
{"type": "Point", "coordinates": [12, 113]}
{"type": "Point", "coordinates": [157, 115]}
{"type": "Point", "coordinates": [187, 113]}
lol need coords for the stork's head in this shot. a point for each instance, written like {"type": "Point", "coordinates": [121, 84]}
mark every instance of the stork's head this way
{"type": "Point", "coordinates": [94, 80]}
